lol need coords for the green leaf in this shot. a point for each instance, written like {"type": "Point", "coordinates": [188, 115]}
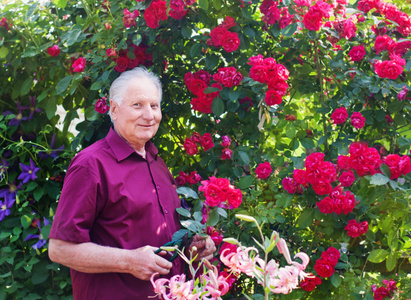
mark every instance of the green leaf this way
{"type": "Point", "coordinates": [187, 192]}
{"type": "Point", "coordinates": [379, 179]}
{"type": "Point", "coordinates": [233, 94]}
{"type": "Point", "coordinates": [306, 218]}
{"type": "Point", "coordinates": [289, 30]}
{"type": "Point", "coordinates": [275, 30]}
{"type": "Point", "coordinates": [203, 4]}
{"type": "Point", "coordinates": [217, 107]}
{"type": "Point", "coordinates": [3, 52]}
{"type": "Point", "coordinates": [245, 182]}
{"type": "Point", "coordinates": [51, 108]}
{"type": "Point", "coordinates": [26, 221]}
{"type": "Point", "coordinates": [244, 157]}
{"type": "Point", "coordinates": [213, 218]}
{"type": "Point", "coordinates": [60, 3]}
{"type": "Point", "coordinates": [63, 84]}
{"type": "Point", "coordinates": [38, 193]}
{"type": "Point", "coordinates": [391, 262]}
{"type": "Point", "coordinates": [25, 88]}
{"type": "Point", "coordinates": [212, 61]}
{"type": "Point", "coordinates": [307, 143]}
{"type": "Point", "coordinates": [210, 90]}
{"type": "Point", "coordinates": [290, 131]}
{"type": "Point", "coordinates": [249, 32]}
{"type": "Point", "coordinates": [378, 255]}
{"type": "Point", "coordinates": [73, 36]}
{"type": "Point", "coordinates": [186, 32]}
{"type": "Point", "coordinates": [217, 4]}
{"type": "Point", "coordinates": [222, 212]}
{"type": "Point", "coordinates": [386, 170]}
{"type": "Point", "coordinates": [30, 12]}
{"type": "Point", "coordinates": [336, 280]}
{"type": "Point", "coordinates": [184, 212]}
{"type": "Point", "coordinates": [179, 234]}
{"type": "Point", "coordinates": [96, 85]}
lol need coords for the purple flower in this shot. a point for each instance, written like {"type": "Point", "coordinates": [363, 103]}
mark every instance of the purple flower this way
{"type": "Point", "coordinates": [54, 154]}
{"type": "Point", "coordinates": [40, 243]}
{"type": "Point", "coordinates": [401, 95]}
{"type": "Point", "coordinates": [6, 205]}
{"type": "Point", "coordinates": [33, 108]}
{"type": "Point", "coordinates": [28, 172]}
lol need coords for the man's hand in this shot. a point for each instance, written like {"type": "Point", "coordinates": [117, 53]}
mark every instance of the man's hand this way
{"type": "Point", "coordinates": [144, 262]}
{"type": "Point", "coordinates": [204, 247]}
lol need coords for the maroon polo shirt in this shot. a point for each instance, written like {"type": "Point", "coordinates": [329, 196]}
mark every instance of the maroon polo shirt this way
{"type": "Point", "coordinates": [113, 197]}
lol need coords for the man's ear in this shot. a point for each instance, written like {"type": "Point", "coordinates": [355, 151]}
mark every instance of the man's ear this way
{"type": "Point", "coordinates": [113, 109]}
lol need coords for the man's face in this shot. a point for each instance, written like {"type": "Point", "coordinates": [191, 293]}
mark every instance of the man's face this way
{"type": "Point", "coordinates": [137, 118]}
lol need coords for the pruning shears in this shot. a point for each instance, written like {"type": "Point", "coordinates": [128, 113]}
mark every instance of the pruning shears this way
{"type": "Point", "coordinates": [181, 243]}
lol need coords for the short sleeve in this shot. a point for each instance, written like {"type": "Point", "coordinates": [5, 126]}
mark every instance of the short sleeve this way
{"type": "Point", "coordinates": [77, 207]}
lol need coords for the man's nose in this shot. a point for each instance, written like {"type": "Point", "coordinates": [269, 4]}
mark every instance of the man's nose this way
{"type": "Point", "coordinates": [148, 113]}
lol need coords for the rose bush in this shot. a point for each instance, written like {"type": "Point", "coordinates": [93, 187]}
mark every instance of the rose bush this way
{"type": "Point", "coordinates": [303, 106]}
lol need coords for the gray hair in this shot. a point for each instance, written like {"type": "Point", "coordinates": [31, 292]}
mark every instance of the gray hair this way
{"type": "Point", "coordinates": [120, 84]}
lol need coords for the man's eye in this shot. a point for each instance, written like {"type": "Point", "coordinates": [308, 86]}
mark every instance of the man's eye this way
{"type": "Point", "coordinates": [154, 105]}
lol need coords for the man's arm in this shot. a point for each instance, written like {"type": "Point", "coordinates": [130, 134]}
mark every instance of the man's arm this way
{"type": "Point", "coordinates": [93, 258]}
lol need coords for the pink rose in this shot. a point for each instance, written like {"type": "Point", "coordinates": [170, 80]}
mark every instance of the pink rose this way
{"type": "Point", "coordinates": [357, 53]}
{"type": "Point", "coordinates": [339, 115]}
{"type": "Point", "coordinates": [79, 64]}
{"type": "Point", "coordinates": [263, 170]}
{"type": "Point", "coordinates": [226, 141]}
{"type": "Point", "coordinates": [289, 185]}
{"type": "Point", "coordinates": [53, 50]}
{"type": "Point", "coordinates": [357, 120]}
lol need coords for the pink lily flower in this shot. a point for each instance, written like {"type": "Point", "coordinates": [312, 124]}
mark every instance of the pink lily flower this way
{"type": "Point", "coordinates": [285, 281]}
{"type": "Point", "coordinates": [216, 286]}
{"type": "Point", "coordinates": [160, 286]}
{"type": "Point", "coordinates": [239, 261]}
{"type": "Point", "coordinates": [182, 290]}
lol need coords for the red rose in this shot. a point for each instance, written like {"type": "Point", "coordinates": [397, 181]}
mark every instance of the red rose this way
{"type": "Point", "coordinates": [280, 86]}
{"type": "Point", "coordinates": [272, 97]}
{"type": "Point", "coordinates": [326, 205]}
{"type": "Point", "coordinates": [357, 120]}
{"type": "Point", "coordinates": [230, 41]}
{"type": "Point", "coordinates": [215, 235]}
{"type": "Point", "coordinates": [313, 20]}
{"type": "Point", "coordinates": [122, 63]}
{"type": "Point", "coordinates": [332, 255]}
{"type": "Point", "coordinates": [322, 187]}
{"type": "Point", "coordinates": [214, 195]}
{"type": "Point", "coordinates": [299, 177]}
{"type": "Point", "coordinates": [353, 229]}
{"type": "Point", "coordinates": [263, 170]}
{"type": "Point", "coordinates": [343, 162]}
{"type": "Point", "coordinates": [394, 68]}
{"type": "Point", "coordinates": [181, 179]}
{"type": "Point", "coordinates": [228, 76]}
{"type": "Point", "coordinates": [339, 115]}
{"type": "Point", "coordinates": [324, 268]}
{"type": "Point", "coordinates": [190, 146]}
{"type": "Point", "coordinates": [177, 9]}
{"type": "Point", "coordinates": [357, 53]}
{"type": "Point", "coordinates": [289, 185]}
{"type": "Point", "coordinates": [309, 283]}
{"type": "Point", "coordinates": [234, 197]}
{"type": "Point", "coordinates": [217, 35]}
{"type": "Point", "coordinates": [79, 64]}
{"type": "Point", "coordinates": [381, 293]}
{"type": "Point", "coordinates": [53, 50]}
{"type": "Point", "coordinates": [228, 22]}
{"type": "Point", "coordinates": [196, 137]}
{"type": "Point", "coordinates": [383, 42]}
{"type": "Point", "coordinates": [101, 106]}
{"type": "Point", "coordinates": [226, 153]}
{"type": "Point", "coordinates": [197, 86]}
{"type": "Point", "coordinates": [155, 12]}
{"type": "Point", "coordinates": [206, 141]}
{"type": "Point", "coordinates": [347, 178]}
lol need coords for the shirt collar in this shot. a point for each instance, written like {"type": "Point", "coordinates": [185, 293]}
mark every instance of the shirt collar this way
{"type": "Point", "coordinates": [122, 149]}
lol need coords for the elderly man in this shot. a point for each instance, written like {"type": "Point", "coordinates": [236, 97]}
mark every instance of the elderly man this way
{"type": "Point", "coordinates": [118, 203]}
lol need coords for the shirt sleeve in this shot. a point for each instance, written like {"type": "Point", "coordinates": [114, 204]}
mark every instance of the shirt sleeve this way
{"type": "Point", "coordinates": [77, 207]}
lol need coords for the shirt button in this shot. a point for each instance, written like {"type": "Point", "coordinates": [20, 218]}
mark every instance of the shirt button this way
{"type": "Point", "coordinates": [166, 211]}
{"type": "Point", "coordinates": [158, 187]}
